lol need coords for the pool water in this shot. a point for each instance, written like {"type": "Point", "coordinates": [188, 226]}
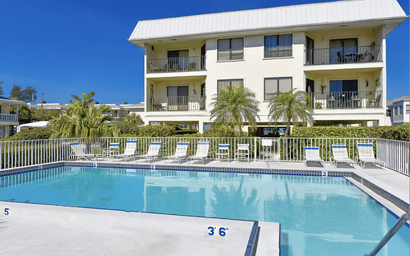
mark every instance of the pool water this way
{"type": "Point", "coordinates": [318, 215]}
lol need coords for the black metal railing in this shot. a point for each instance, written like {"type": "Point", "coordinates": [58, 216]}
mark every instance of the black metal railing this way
{"type": "Point", "coordinates": [177, 103]}
{"type": "Point", "coordinates": [180, 64]}
{"type": "Point", "coordinates": [346, 100]}
{"type": "Point", "coordinates": [355, 54]}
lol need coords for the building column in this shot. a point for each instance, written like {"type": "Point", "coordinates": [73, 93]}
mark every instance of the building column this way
{"type": "Point", "coordinates": [17, 111]}
{"type": "Point", "coordinates": [200, 127]}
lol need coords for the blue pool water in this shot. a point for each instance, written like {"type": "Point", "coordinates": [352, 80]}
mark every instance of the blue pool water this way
{"type": "Point", "coordinates": [318, 215]}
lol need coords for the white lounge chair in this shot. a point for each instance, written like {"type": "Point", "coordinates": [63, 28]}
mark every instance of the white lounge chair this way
{"type": "Point", "coordinates": [366, 155]}
{"type": "Point", "coordinates": [202, 151]}
{"type": "Point", "coordinates": [79, 152]}
{"type": "Point", "coordinates": [129, 151]}
{"type": "Point", "coordinates": [153, 151]}
{"type": "Point", "coordinates": [242, 153]}
{"type": "Point", "coordinates": [340, 155]}
{"type": "Point", "coordinates": [113, 149]}
{"type": "Point", "coordinates": [180, 151]}
{"type": "Point", "coordinates": [223, 152]}
{"type": "Point", "coordinates": [312, 155]}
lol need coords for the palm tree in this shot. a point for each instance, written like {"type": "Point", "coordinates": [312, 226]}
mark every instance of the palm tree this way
{"type": "Point", "coordinates": [290, 106]}
{"type": "Point", "coordinates": [235, 106]}
{"type": "Point", "coordinates": [135, 119]}
{"type": "Point", "coordinates": [84, 120]}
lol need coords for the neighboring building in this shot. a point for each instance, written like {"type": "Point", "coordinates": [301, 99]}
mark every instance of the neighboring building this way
{"type": "Point", "coordinates": [118, 111]}
{"type": "Point", "coordinates": [336, 51]}
{"type": "Point", "coordinates": [7, 120]}
{"type": "Point", "coordinates": [398, 111]}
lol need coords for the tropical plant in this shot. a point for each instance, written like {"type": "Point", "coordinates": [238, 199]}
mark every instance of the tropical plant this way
{"type": "Point", "coordinates": [290, 106]}
{"type": "Point", "coordinates": [84, 120]}
{"type": "Point", "coordinates": [235, 106]}
{"type": "Point", "coordinates": [27, 95]}
{"type": "Point", "coordinates": [135, 119]}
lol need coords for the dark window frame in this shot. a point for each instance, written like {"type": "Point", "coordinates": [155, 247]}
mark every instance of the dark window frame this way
{"type": "Point", "coordinates": [265, 98]}
{"type": "Point", "coordinates": [241, 56]}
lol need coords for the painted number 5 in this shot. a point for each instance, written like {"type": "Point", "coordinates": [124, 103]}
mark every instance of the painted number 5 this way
{"type": "Point", "coordinates": [6, 211]}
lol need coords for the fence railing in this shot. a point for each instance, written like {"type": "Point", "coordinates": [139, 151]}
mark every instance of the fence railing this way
{"type": "Point", "coordinates": [8, 117]}
{"type": "Point", "coordinates": [178, 64]}
{"type": "Point", "coordinates": [353, 54]}
{"type": "Point", "coordinates": [346, 100]}
{"type": "Point", "coordinates": [395, 154]}
{"type": "Point", "coordinates": [177, 103]}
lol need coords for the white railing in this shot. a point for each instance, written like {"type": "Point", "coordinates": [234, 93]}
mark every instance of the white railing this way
{"type": "Point", "coordinates": [33, 152]}
{"type": "Point", "coordinates": [395, 153]}
{"type": "Point", "coordinates": [8, 118]}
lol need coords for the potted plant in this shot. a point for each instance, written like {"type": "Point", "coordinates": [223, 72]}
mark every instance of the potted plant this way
{"type": "Point", "coordinates": [318, 105]}
{"type": "Point", "coordinates": [323, 87]}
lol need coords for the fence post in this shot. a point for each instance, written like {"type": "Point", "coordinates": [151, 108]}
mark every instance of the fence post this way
{"type": "Point", "coordinates": [254, 145]}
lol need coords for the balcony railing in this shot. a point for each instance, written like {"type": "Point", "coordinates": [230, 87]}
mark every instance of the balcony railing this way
{"type": "Point", "coordinates": [346, 100]}
{"type": "Point", "coordinates": [8, 118]}
{"type": "Point", "coordinates": [177, 103]}
{"type": "Point", "coordinates": [181, 64]}
{"type": "Point", "coordinates": [355, 54]}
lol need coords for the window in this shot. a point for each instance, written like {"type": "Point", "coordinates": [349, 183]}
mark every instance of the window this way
{"type": "Point", "coordinates": [341, 48]}
{"type": "Point", "coordinates": [278, 46]}
{"type": "Point", "coordinates": [230, 49]}
{"type": "Point", "coordinates": [396, 111]}
{"type": "Point", "coordinates": [388, 112]}
{"type": "Point", "coordinates": [224, 84]}
{"type": "Point", "coordinates": [401, 110]}
{"type": "Point", "coordinates": [407, 108]}
{"type": "Point", "coordinates": [275, 85]}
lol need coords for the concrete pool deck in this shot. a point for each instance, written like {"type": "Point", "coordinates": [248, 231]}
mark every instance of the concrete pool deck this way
{"type": "Point", "coordinates": [32, 229]}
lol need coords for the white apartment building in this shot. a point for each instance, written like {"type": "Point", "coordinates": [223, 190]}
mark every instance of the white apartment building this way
{"type": "Point", "coordinates": [335, 51]}
{"type": "Point", "coordinates": [398, 111]}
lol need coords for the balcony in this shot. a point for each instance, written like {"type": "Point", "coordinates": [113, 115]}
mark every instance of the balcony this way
{"type": "Point", "coordinates": [8, 118]}
{"type": "Point", "coordinates": [177, 103]}
{"type": "Point", "coordinates": [346, 100]}
{"type": "Point", "coordinates": [355, 54]}
{"type": "Point", "coordinates": [181, 64]}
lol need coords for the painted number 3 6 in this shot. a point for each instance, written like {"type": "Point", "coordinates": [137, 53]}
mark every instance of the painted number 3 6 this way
{"type": "Point", "coordinates": [222, 231]}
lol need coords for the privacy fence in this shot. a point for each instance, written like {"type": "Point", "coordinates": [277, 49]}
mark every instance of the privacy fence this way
{"type": "Point", "coordinates": [395, 154]}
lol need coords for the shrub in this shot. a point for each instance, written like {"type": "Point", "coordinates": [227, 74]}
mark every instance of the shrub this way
{"type": "Point", "coordinates": [221, 131]}
{"type": "Point", "coordinates": [35, 134]}
{"type": "Point", "coordinates": [127, 128]}
{"type": "Point", "coordinates": [339, 132]}
{"type": "Point", "coordinates": [156, 131]}
{"type": "Point", "coordinates": [400, 132]}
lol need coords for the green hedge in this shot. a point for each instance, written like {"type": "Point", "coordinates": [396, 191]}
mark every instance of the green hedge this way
{"type": "Point", "coordinates": [156, 131]}
{"type": "Point", "coordinates": [397, 133]}
{"type": "Point", "coordinates": [221, 131]}
{"type": "Point", "coordinates": [339, 132]}
{"type": "Point", "coordinates": [35, 134]}
{"type": "Point", "coordinates": [127, 128]}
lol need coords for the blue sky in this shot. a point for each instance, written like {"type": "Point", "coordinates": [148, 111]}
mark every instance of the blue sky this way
{"type": "Point", "coordinates": [70, 46]}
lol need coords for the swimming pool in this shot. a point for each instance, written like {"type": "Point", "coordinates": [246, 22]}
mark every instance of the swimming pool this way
{"type": "Point", "coordinates": [318, 215]}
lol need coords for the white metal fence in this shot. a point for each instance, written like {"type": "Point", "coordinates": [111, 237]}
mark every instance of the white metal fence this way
{"type": "Point", "coordinates": [32, 152]}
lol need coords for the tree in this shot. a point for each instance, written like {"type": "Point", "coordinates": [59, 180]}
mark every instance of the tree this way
{"type": "Point", "coordinates": [25, 114]}
{"type": "Point", "coordinates": [82, 119]}
{"type": "Point", "coordinates": [290, 106]}
{"type": "Point", "coordinates": [235, 106]}
{"type": "Point", "coordinates": [135, 119]}
{"type": "Point", "coordinates": [24, 95]}
{"type": "Point", "coordinates": [45, 114]}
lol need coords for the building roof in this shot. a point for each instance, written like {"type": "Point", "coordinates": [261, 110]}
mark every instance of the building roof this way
{"type": "Point", "coordinates": [305, 15]}
{"type": "Point", "coordinates": [390, 103]}
{"type": "Point", "coordinates": [11, 101]}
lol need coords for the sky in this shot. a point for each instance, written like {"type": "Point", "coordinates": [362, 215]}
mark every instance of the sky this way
{"type": "Point", "coordinates": [68, 47]}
